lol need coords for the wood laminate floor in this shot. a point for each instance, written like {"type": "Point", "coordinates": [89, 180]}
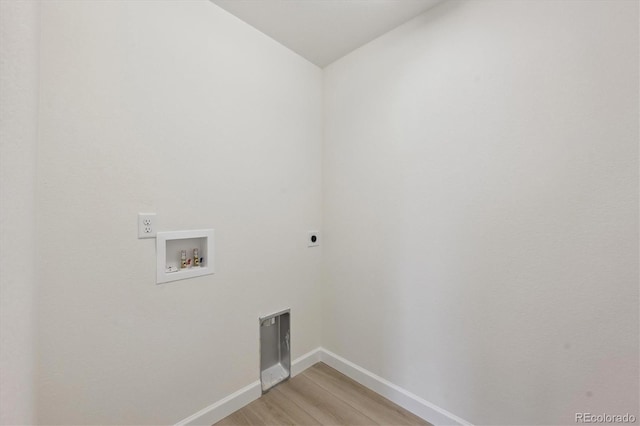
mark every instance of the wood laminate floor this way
{"type": "Point", "coordinates": [321, 396]}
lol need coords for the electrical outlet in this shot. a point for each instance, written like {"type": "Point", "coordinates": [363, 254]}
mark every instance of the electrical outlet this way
{"type": "Point", "coordinates": [146, 225]}
{"type": "Point", "coordinates": [313, 239]}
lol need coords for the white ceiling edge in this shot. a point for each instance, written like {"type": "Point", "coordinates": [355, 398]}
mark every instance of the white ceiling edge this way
{"type": "Point", "coordinates": [323, 31]}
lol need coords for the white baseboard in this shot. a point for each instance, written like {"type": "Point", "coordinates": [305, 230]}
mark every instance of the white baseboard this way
{"type": "Point", "coordinates": [229, 404]}
{"type": "Point", "coordinates": [410, 402]}
{"type": "Point", "coordinates": [305, 361]}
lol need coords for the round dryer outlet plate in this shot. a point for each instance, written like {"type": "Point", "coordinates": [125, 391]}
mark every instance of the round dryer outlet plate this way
{"type": "Point", "coordinates": [313, 239]}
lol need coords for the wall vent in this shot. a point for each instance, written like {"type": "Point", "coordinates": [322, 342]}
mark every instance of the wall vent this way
{"type": "Point", "coordinates": [275, 349]}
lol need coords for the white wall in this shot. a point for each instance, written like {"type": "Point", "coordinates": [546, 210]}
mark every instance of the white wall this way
{"type": "Point", "coordinates": [18, 137]}
{"type": "Point", "coordinates": [178, 108]}
{"type": "Point", "coordinates": [480, 209]}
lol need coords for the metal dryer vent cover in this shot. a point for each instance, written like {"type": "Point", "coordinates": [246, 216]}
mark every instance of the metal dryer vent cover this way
{"type": "Point", "coordinates": [275, 349]}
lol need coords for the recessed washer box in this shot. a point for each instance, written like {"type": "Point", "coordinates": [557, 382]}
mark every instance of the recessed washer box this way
{"type": "Point", "coordinates": [275, 349]}
{"type": "Point", "coordinates": [169, 247]}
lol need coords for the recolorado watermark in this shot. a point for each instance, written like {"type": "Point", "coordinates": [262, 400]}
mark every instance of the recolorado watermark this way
{"type": "Point", "coordinates": [605, 418]}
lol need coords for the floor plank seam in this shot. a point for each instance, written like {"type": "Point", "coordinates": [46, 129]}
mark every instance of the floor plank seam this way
{"type": "Point", "coordinates": [346, 402]}
{"type": "Point", "coordinates": [301, 408]}
{"type": "Point", "coordinates": [343, 401]}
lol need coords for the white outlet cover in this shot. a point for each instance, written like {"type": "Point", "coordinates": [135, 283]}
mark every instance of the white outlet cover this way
{"type": "Point", "coordinates": [310, 240]}
{"type": "Point", "coordinates": [147, 225]}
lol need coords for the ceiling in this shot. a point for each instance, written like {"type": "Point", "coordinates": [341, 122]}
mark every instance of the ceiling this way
{"type": "Point", "coordinates": [325, 30]}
